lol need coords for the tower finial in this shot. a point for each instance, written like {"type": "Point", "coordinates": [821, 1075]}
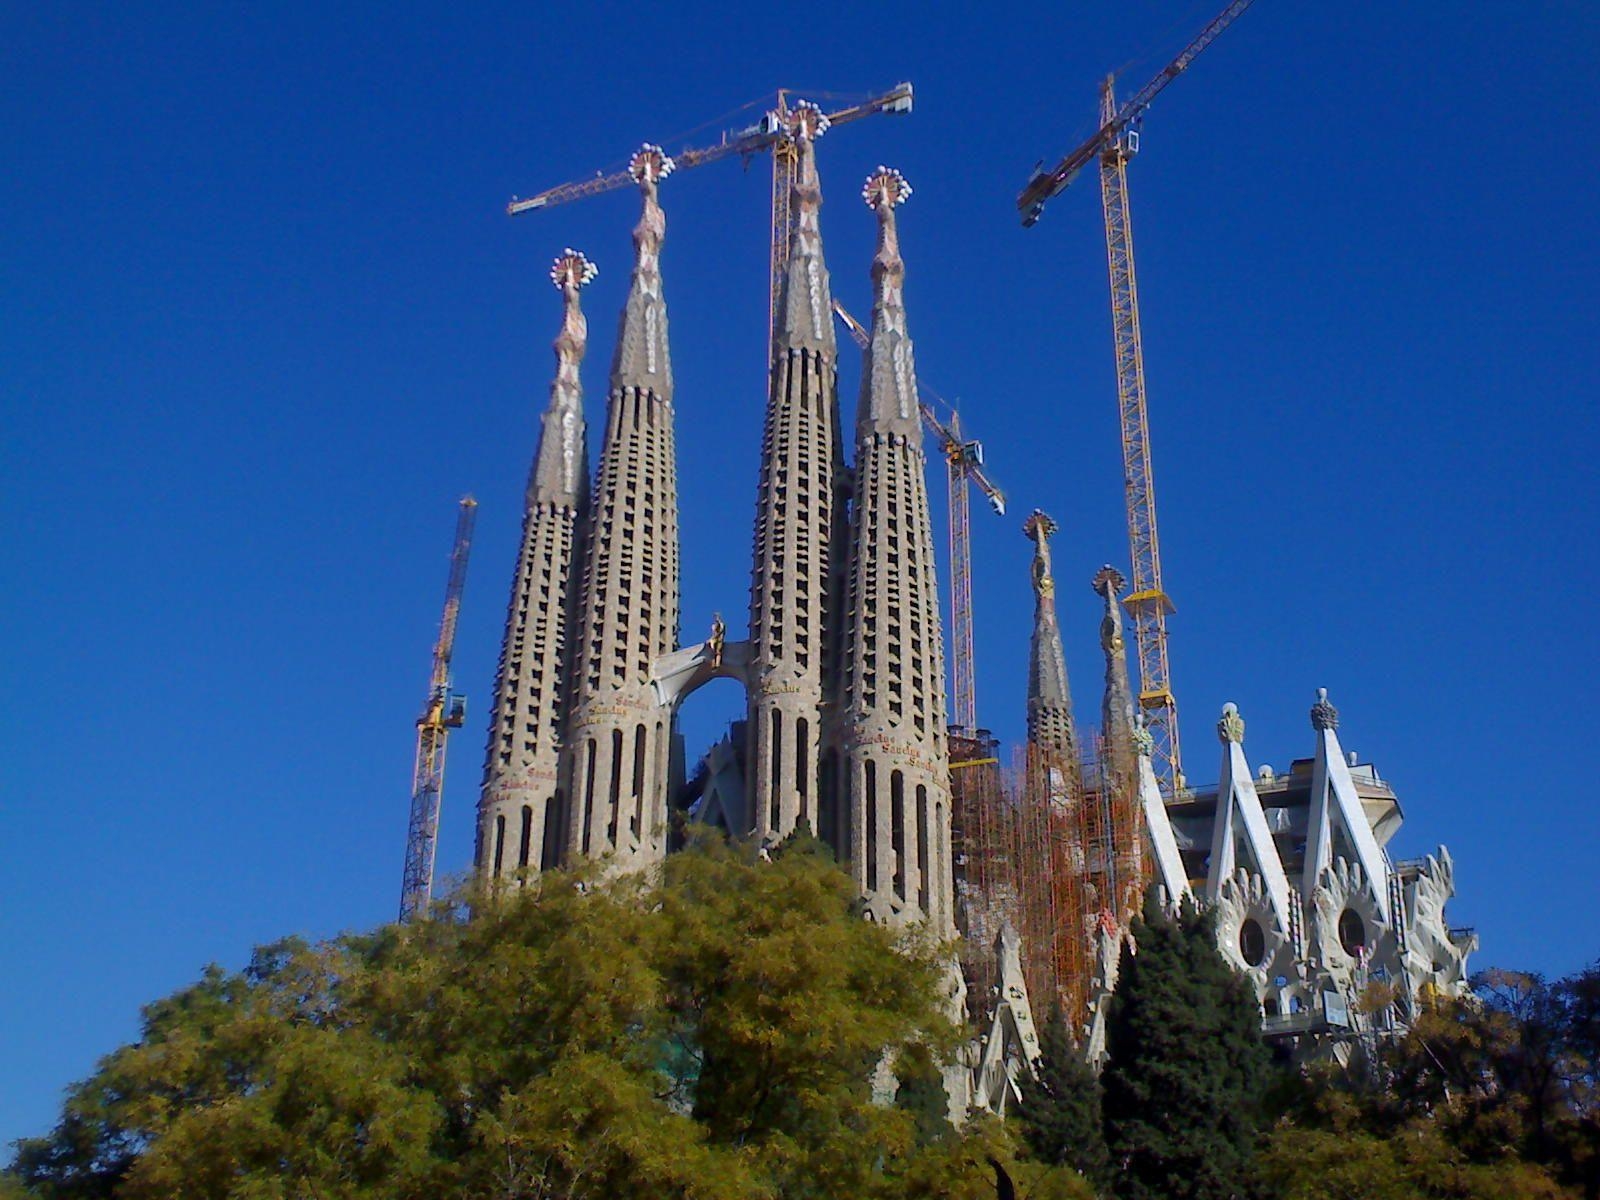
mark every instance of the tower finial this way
{"type": "Point", "coordinates": [1144, 743]}
{"type": "Point", "coordinates": [807, 122]}
{"type": "Point", "coordinates": [1231, 727]}
{"type": "Point", "coordinates": [1039, 528]}
{"type": "Point", "coordinates": [885, 189]}
{"type": "Point", "coordinates": [650, 164]}
{"type": "Point", "coordinates": [572, 269]}
{"type": "Point", "coordinates": [1323, 714]}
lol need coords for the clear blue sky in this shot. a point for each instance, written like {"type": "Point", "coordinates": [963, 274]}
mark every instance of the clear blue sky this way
{"type": "Point", "coordinates": [265, 321]}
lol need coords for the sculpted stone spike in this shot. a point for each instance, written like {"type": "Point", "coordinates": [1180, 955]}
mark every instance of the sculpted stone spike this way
{"type": "Point", "coordinates": [889, 386]}
{"type": "Point", "coordinates": [641, 359]}
{"type": "Point", "coordinates": [561, 470]}
{"type": "Point", "coordinates": [1050, 724]}
{"type": "Point", "coordinates": [1116, 712]}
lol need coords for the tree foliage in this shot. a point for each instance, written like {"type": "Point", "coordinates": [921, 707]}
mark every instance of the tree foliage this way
{"type": "Point", "coordinates": [1491, 1094]}
{"type": "Point", "coordinates": [712, 1033]}
{"type": "Point", "coordinates": [1186, 1066]}
{"type": "Point", "coordinates": [1060, 1111]}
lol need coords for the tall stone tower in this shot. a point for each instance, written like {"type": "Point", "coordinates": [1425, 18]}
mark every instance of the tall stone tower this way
{"type": "Point", "coordinates": [617, 757]}
{"type": "Point", "coordinates": [1050, 724]}
{"type": "Point", "coordinates": [893, 727]}
{"type": "Point", "coordinates": [521, 822]}
{"type": "Point", "coordinates": [793, 608]}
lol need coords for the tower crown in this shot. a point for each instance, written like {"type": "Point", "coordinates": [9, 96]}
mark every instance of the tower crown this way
{"type": "Point", "coordinates": [572, 269]}
{"type": "Point", "coordinates": [807, 122]}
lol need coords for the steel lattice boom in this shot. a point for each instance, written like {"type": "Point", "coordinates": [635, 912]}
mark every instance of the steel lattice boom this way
{"type": "Point", "coordinates": [443, 712]}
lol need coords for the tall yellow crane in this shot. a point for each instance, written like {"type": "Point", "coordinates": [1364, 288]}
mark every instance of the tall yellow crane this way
{"type": "Point", "coordinates": [770, 132]}
{"type": "Point", "coordinates": [1114, 143]}
{"type": "Point", "coordinates": [963, 465]}
{"type": "Point", "coordinates": [444, 711]}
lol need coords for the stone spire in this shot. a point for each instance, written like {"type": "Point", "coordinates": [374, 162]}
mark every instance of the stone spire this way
{"type": "Point", "coordinates": [889, 390]}
{"type": "Point", "coordinates": [1116, 713]}
{"type": "Point", "coordinates": [520, 822]}
{"type": "Point", "coordinates": [893, 727]}
{"type": "Point", "coordinates": [1050, 724]}
{"type": "Point", "coordinates": [793, 592]}
{"type": "Point", "coordinates": [616, 759]}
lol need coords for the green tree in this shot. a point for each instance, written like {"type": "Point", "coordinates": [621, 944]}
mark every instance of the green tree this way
{"type": "Point", "coordinates": [1059, 1115]}
{"type": "Point", "coordinates": [709, 1033]}
{"type": "Point", "coordinates": [1186, 1066]}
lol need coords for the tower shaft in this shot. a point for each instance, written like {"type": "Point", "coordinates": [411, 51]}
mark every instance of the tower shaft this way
{"type": "Point", "coordinates": [792, 603]}
{"type": "Point", "coordinates": [521, 817]}
{"type": "Point", "coordinates": [894, 720]}
{"type": "Point", "coordinates": [617, 758]}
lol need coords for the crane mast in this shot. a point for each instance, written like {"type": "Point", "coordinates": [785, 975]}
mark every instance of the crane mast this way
{"type": "Point", "coordinates": [443, 711]}
{"type": "Point", "coordinates": [1113, 143]}
{"type": "Point", "coordinates": [1148, 604]}
{"type": "Point", "coordinates": [963, 465]}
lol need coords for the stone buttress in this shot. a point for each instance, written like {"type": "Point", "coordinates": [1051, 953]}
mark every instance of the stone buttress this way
{"type": "Point", "coordinates": [792, 605]}
{"type": "Point", "coordinates": [892, 729]}
{"type": "Point", "coordinates": [617, 758]}
{"type": "Point", "coordinates": [521, 822]}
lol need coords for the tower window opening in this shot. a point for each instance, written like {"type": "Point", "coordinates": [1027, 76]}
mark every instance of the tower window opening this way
{"type": "Point", "coordinates": [527, 835]}
{"type": "Point", "coordinates": [897, 830]}
{"type": "Point", "coordinates": [871, 823]}
{"type": "Point", "coordinates": [922, 848]}
{"type": "Point", "coordinates": [499, 842]}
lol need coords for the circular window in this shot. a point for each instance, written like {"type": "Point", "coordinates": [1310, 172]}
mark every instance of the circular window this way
{"type": "Point", "coordinates": [1252, 942]}
{"type": "Point", "coordinates": [1352, 933]}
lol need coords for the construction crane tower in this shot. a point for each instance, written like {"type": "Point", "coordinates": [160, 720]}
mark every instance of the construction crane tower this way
{"type": "Point", "coordinates": [1113, 144]}
{"type": "Point", "coordinates": [444, 711]}
{"type": "Point", "coordinates": [963, 465]}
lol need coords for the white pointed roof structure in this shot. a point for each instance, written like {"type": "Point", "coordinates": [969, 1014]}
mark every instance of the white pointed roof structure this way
{"type": "Point", "coordinates": [1335, 805]}
{"type": "Point", "coordinates": [1240, 819]}
{"type": "Point", "coordinates": [1169, 861]}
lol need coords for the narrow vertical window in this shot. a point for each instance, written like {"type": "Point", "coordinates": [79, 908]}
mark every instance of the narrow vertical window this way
{"type": "Point", "coordinates": [802, 772]}
{"type": "Point", "coordinates": [616, 785]}
{"type": "Point", "coordinates": [828, 801]}
{"type": "Point", "coordinates": [638, 779]}
{"type": "Point", "coordinates": [588, 794]}
{"type": "Point", "coordinates": [499, 842]}
{"type": "Point", "coordinates": [924, 867]}
{"type": "Point", "coordinates": [897, 830]}
{"type": "Point", "coordinates": [554, 819]}
{"type": "Point", "coordinates": [871, 830]}
{"type": "Point", "coordinates": [527, 835]}
{"type": "Point", "coordinates": [776, 756]}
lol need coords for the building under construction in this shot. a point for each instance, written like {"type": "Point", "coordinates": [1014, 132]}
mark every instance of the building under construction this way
{"type": "Point", "coordinates": [1034, 860]}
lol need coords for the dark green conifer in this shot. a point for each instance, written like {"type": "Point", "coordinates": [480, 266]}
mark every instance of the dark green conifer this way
{"type": "Point", "coordinates": [1186, 1067]}
{"type": "Point", "coordinates": [1060, 1111]}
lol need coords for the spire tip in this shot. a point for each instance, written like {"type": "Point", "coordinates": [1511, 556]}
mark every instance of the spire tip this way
{"type": "Point", "coordinates": [573, 269]}
{"type": "Point", "coordinates": [1108, 581]}
{"type": "Point", "coordinates": [885, 187]}
{"type": "Point", "coordinates": [1231, 727]}
{"type": "Point", "coordinates": [1323, 714]}
{"type": "Point", "coordinates": [650, 163]}
{"type": "Point", "coordinates": [807, 122]}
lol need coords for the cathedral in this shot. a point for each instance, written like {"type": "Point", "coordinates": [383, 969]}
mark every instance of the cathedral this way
{"type": "Point", "coordinates": [845, 730]}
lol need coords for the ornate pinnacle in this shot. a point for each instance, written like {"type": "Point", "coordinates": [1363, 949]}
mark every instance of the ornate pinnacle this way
{"type": "Point", "coordinates": [807, 122]}
{"type": "Point", "coordinates": [650, 164]}
{"type": "Point", "coordinates": [1323, 714]}
{"type": "Point", "coordinates": [1108, 581]}
{"type": "Point", "coordinates": [885, 186]}
{"type": "Point", "coordinates": [1040, 525]}
{"type": "Point", "coordinates": [1144, 743]}
{"type": "Point", "coordinates": [1231, 727]}
{"type": "Point", "coordinates": [572, 269]}
{"type": "Point", "coordinates": [1039, 528]}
